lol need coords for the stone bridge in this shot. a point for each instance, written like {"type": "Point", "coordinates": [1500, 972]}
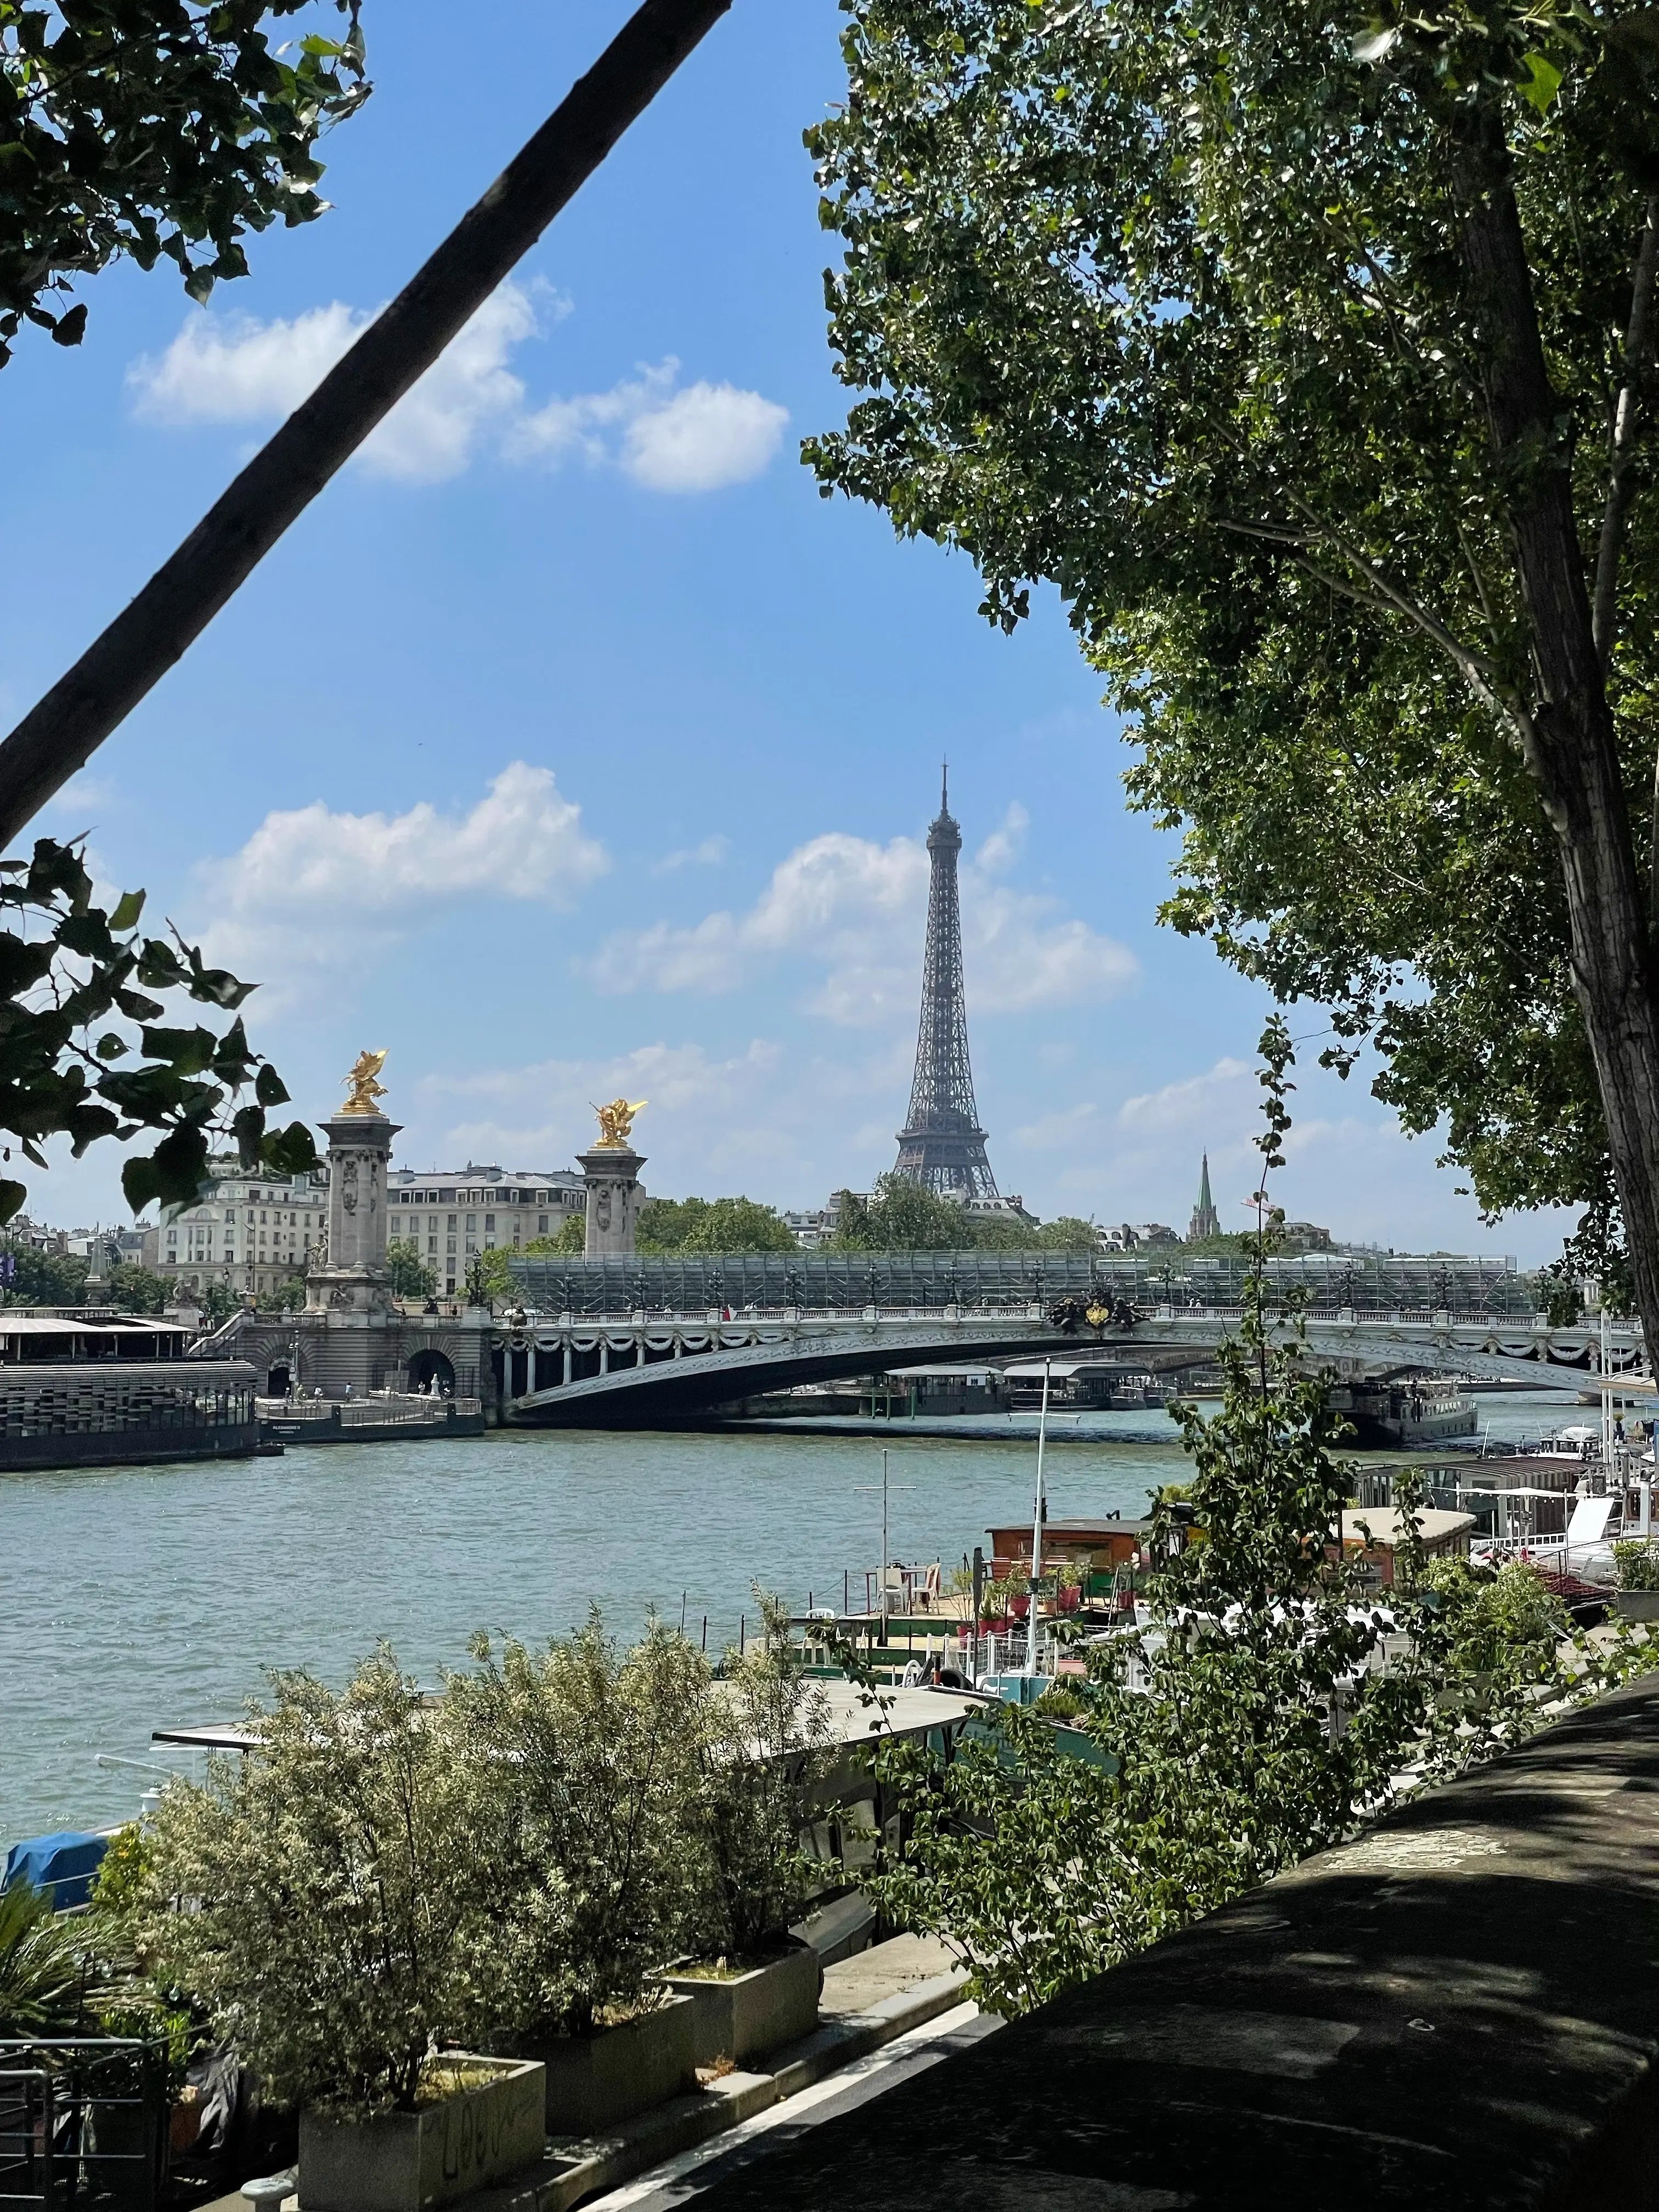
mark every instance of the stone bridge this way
{"type": "Point", "coordinates": [644, 1369]}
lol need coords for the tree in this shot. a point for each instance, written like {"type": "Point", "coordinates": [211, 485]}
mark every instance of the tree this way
{"type": "Point", "coordinates": [132, 1289]}
{"type": "Point", "coordinates": [43, 1278]}
{"type": "Point", "coordinates": [218, 1301]}
{"type": "Point", "coordinates": [902, 1216]}
{"type": "Point", "coordinates": [1067, 1233]}
{"type": "Point", "coordinates": [762, 1752]}
{"type": "Point", "coordinates": [489, 1276]}
{"type": "Point", "coordinates": [410, 1276]}
{"type": "Point", "coordinates": [319, 1897]}
{"type": "Point", "coordinates": [1318, 376]}
{"type": "Point", "coordinates": [152, 129]}
{"type": "Point", "coordinates": [594, 1847]}
{"type": "Point", "coordinates": [719, 1225]}
{"type": "Point", "coordinates": [1262, 1733]}
{"type": "Point", "coordinates": [289, 1295]}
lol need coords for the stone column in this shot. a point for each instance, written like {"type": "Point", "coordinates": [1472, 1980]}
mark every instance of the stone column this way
{"type": "Point", "coordinates": [354, 1278]}
{"type": "Point", "coordinates": [611, 1173]}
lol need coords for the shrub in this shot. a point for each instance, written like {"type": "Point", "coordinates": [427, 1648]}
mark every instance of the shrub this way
{"type": "Point", "coordinates": [1637, 1562]}
{"type": "Point", "coordinates": [319, 1899]}
{"type": "Point", "coordinates": [762, 1754]}
{"type": "Point", "coordinates": [41, 1976]}
{"type": "Point", "coordinates": [590, 1780]}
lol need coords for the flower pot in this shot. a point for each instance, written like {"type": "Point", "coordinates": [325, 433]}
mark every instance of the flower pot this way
{"type": "Point", "coordinates": [739, 2015]}
{"type": "Point", "coordinates": [1070, 1599]}
{"type": "Point", "coordinates": [1637, 1605]}
{"type": "Point", "coordinates": [595, 2081]}
{"type": "Point", "coordinates": [408, 2161]}
{"type": "Point", "coordinates": [1019, 1607]}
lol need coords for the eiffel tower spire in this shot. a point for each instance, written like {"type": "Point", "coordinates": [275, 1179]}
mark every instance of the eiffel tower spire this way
{"type": "Point", "coordinates": [942, 1145]}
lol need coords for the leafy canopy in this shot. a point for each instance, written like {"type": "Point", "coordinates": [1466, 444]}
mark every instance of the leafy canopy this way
{"type": "Point", "coordinates": [718, 1224]}
{"type": "Point", "coordinates": [411, 1276]}
{"type": "Point", "coordinates": [1166, 305]}
{"type": "Point", "coordinates": [86, 1051]}
{"type": "Point", "coordinates": [156, 127]}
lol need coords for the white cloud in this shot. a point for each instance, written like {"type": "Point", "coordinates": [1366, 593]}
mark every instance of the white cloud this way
{"type": "Point", "coordinates": [313, 890]}
{"type": "Point", "coordinates": [708, 436]}
{"type": "Point", "coordinates": [233, 369]}
{"type": "Point", "coordinates": [1005, 842]}
{"type": "Point", "coordinates": [857, 911]}
{"type": "Point", "coordinates": [1067, 1129]}
{"type": "Point", "coordinates": [709, 854]}
{"type": "Point", "coordinates": [1222, 1093]}
{"type": "Point", "coordinates": [778, 1124]}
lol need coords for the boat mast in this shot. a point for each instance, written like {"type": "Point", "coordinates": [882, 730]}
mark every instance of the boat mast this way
{"type": "Point", "coordinates": [1036, 1527]}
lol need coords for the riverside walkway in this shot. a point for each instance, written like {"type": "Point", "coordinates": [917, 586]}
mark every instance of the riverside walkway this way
{"type": "Point", "coordinates": [1457, 2012]}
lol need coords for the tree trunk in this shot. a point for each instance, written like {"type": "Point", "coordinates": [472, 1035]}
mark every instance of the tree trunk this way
{"type": "Point", "coordinates": [1572, 748]}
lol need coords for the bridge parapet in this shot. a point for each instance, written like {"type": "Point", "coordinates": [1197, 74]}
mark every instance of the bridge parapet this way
{"type": "Point", "coordinates": [566, 1367]}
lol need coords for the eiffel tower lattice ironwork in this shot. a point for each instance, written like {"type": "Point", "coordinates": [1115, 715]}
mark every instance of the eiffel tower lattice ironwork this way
{"type": "Point", "coordinates": [942, 1145]}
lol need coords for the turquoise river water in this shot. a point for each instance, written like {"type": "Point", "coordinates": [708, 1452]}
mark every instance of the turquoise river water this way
{"type": "Point", "coordinates": [140, 1597]}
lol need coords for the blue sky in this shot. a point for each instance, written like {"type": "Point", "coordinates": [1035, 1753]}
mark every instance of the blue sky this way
{"type": "Point", "coordinates": [570, 744]}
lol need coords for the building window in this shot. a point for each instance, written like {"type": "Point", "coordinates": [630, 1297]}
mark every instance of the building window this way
{"type": "Point", "coordinates": [490, 1221]}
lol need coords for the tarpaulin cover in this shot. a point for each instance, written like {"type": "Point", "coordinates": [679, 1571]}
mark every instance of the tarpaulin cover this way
{"type": "Point", "coordinates": [62, 1865]}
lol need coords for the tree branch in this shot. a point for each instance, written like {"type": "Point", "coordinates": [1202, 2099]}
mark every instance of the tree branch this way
{"type": "Point", "coordinates": [1637, 336]}
{"type": "Point", "coordinates": [154, 629]}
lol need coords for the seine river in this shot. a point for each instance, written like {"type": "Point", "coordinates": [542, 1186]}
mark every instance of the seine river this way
{"type": "Point", "coordinates": [143, 1597]}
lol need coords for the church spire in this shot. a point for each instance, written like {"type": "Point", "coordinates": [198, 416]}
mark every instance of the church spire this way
{"type": "Point", "coordinates": [1205, 1222]}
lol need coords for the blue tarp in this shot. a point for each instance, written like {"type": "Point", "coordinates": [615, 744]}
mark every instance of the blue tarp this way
{"type": "Point", "coordinates": [62, 1865]}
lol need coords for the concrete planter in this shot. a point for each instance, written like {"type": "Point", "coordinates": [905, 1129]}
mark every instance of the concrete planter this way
{"type": "Point", "coordinates": [409, 2161]}
{"type": "Point", "coordinates": [595, 2081]}
{"type": "Point", "coordinates": [1637, 1605]}
{"type": "Point", "coordinates": [738, 2016]}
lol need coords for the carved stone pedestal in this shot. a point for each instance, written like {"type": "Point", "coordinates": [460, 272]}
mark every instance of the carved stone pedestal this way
{"type": "Point", "coordinates": [611, 1173]}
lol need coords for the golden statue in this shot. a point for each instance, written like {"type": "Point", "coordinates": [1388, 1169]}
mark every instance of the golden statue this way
{"type": "Point", "coordinates": [616, 1122]}
{"type": "Point", "coordinates": [361, 1085]}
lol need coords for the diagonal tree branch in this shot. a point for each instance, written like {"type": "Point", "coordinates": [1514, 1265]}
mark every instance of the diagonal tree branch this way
{"type": "Point", "coordinates": [153, 630]}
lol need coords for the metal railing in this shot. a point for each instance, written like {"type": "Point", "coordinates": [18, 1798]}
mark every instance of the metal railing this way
{"type": "Point", "coordinates": [394, 1410]}
{"type": "Point", "coordinates": [82, 2124]}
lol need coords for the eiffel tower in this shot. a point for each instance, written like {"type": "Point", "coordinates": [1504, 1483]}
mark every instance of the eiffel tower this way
{"type": "Point", "coordinates": [942, 1145]}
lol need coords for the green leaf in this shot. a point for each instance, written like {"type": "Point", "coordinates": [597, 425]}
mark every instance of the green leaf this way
{"type": "Point", "coordinates": [12, 1196]}
{"type": "Point", "coordinates": [127, 911]}
{"type": "Point", "coordinates": [248, 1127]}
{"type": "Point", "coordinates": [289, 1151]}
{"type": "Point", "coordinates": [1544, 81]}
{"type": "Point", "coordinates": [269, 1088]}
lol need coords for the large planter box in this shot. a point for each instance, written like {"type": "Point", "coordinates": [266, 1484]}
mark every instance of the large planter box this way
{"type": "Point", "coordinates": [738, 2016]}
{"type": "Point", "coordinates": [595, 2081]}
{"type": "Point", "coordinates": [408, 2161]}
{"type": "Point", "coordinates": [1638, 1605]}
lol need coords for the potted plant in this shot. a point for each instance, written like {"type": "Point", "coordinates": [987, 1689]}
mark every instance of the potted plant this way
{"type": "Point", "coordinates": [320, 1899]}
{"type": "Point", "coordinates": [1068, 1585]}
{"type": "Point", "coordinates": [753, 1985]}
{"type": "Point", "coordinates": [1637, 1563]}
{"type": "Point", "coordinates": [595, 1841]}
